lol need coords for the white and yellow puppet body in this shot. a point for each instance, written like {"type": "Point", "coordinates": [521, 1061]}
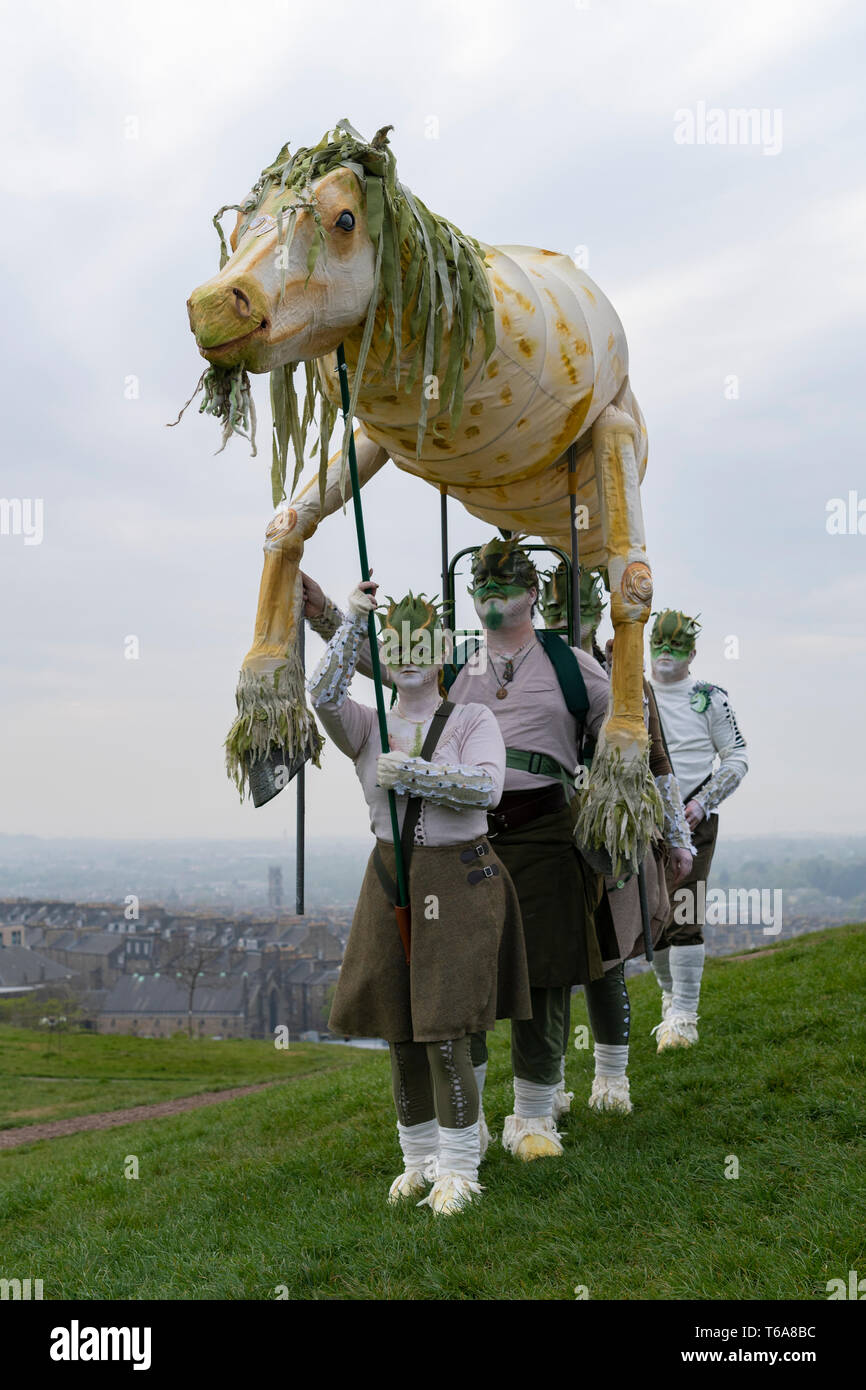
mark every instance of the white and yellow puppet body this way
{"type": "Point", "coordinates": [473, 367]}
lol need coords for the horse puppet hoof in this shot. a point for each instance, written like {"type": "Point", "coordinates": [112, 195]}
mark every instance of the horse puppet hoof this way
{"type": "Point", "coordinates": [269, 775]}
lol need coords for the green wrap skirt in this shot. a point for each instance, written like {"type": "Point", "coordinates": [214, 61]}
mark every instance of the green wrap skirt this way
{"type": "Point", "coordinates": [558, 893]}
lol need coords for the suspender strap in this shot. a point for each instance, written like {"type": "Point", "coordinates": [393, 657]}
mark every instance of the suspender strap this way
{"type": "Point", "coordinates": [413, 807]}
{"type": "Point", "coordinates": [461, 656]}
{"type": "Point", "coordinates": [568, 673]}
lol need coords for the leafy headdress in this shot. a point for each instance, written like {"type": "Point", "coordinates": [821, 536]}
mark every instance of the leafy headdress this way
{"type": "Point", "coordinates": [674, 629]}
{"type": "Point", "coordinates": [592, 602]}
{"type": "Point", "coordinates": [428, 277]}
{"type": "Point", "coordinates": [506, 561]}
{"type": "Point", "coordinates": [417, 616]}
{"type": "Point", "coordinates": [553, 597]}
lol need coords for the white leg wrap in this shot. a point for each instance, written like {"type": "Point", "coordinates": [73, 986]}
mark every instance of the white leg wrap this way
{"type": "Point", "coordinates": [458, 1151]}
{"type": "Point", "coordinates": [611, 1060]}
{"type": "Point", "coordinates": [532, 1100]}
{"type": "Point", "coordinates": [687, 966]}
{"type": "Point", "coordinates": [419, 1143]}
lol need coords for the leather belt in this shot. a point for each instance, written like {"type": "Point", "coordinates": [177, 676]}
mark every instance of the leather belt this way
{"type": "Point", "coordinates": [520, 807]}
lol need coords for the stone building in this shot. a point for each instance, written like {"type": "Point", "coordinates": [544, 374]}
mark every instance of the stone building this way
{"type": "Point", "coordinates": [157, 1006]}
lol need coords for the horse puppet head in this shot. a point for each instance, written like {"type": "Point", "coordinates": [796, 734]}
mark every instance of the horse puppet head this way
{"type": "Point", "coordinates": [330, 247]}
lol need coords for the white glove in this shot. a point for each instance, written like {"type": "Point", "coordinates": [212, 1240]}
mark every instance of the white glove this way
{"type": "Point", "coordinates": [360, 602]}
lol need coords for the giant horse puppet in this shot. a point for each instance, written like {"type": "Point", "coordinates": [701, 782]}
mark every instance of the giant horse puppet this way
{"type": "Point", "coordinates": [473, 367]}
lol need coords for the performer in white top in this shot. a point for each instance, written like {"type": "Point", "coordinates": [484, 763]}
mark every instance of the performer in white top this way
{"type": "Point", "coordinates": [467, 967]}
{"type": "Point", "coordinates": [699, 726]}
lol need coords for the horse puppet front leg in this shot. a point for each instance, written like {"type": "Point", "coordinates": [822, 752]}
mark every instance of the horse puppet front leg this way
{"type": "Point", "coordinates": [274, 732]}
{"type": "Point", "coordinates": [621, 811]}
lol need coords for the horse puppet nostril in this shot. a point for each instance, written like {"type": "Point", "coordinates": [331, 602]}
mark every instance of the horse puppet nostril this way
{"type": "Point", "coordinates": [242, 304]}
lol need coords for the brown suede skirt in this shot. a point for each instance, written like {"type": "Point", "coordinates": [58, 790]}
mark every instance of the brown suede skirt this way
{"type": "Point", "coordinates": [468, 960]}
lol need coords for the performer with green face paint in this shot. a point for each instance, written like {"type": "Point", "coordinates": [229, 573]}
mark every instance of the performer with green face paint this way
{"type": "Point", "coordinates": [699, 725]}
{"type": "Point", "coordinates": [467, 963]}
{"type": "Point", "coordinates": [553, 603]}
{"type": "Point", "coordinates": [619, 910]}
{"type": "Point", "coordinates": [546, 697]}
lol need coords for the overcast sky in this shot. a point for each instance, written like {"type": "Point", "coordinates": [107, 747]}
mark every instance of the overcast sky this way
{"type": "Point", "coordinates": [556, 128]}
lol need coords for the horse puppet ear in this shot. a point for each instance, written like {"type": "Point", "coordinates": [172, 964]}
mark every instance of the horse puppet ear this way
{"type": "Point", "coordinates": [233, 239]}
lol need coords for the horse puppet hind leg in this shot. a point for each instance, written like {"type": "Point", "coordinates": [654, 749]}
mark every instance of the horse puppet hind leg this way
{"type": "Point", "coordinates": [274, 732]}
{"type": "Point", "coordinates": [621, 811]}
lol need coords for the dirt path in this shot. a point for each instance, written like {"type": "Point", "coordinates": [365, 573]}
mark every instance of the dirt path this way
{"type": "Point", "coordinates": [110, 1119]}
{"type": "Point", "coordinates": [752, 955]}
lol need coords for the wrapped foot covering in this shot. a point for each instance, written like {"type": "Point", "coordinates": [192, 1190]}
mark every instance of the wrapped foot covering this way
{"type": "Point", "coordinates": [456, 1183]}
{"type": "Point", "coordinates": [610, 1087]}
{"type": "Point", "coordinates": [676, 1030]}
{"type": "Point", "coordinates": [530, 1137]}
{"type": "Point", "coordinates": [451, 1192]}
{"type": "Point", "coordinates": [611, 1093]}
{"type": "Point", "coordinates": [420, 1147]}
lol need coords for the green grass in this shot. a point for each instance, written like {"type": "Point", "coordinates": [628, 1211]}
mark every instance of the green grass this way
{"type": "Point", "coordinates": [92, 1072]}
{"type": "Point", "coordinates": [287, 1187]}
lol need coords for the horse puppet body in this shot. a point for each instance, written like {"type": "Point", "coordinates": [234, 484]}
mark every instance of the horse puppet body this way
{"type": "Point", "coordinates": [541, 364]}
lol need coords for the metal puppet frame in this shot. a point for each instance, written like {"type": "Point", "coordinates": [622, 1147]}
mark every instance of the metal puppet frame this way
{"type": "Point", "coordinates": [449, 565]}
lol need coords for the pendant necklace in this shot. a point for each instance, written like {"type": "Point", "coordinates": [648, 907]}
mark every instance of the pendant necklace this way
{"type": "Point", "coordinates": [509, 670]}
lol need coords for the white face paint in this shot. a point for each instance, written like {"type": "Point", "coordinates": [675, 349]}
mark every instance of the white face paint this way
{"type": "Point", "coordinates": [414, 678]}
{"type": "Point", "coordinates": [667, 668]}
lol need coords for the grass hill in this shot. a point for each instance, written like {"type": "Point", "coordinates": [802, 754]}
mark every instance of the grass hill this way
{"type": "Point", "coordinates": [43, 1079]}
{"type": "Point", "coordinates": [286, 1189]}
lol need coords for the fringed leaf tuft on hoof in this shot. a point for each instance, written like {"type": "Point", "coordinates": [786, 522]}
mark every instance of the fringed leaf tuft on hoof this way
{"type": "Point", "coordinates": [621, 812]}
{"type": "Point", "coordinates": [272, 718]}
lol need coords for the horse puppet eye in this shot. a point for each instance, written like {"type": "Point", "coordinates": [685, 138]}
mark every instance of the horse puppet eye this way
{"type": "Point", "coordinates": [346, 220]}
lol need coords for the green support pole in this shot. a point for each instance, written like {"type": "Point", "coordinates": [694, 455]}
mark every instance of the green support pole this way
{"type": "Point", "coordinates": [402, 906]}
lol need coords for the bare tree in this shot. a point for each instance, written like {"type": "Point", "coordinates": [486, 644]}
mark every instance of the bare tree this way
{"type": "Point", "coordinates": [194, 965]}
